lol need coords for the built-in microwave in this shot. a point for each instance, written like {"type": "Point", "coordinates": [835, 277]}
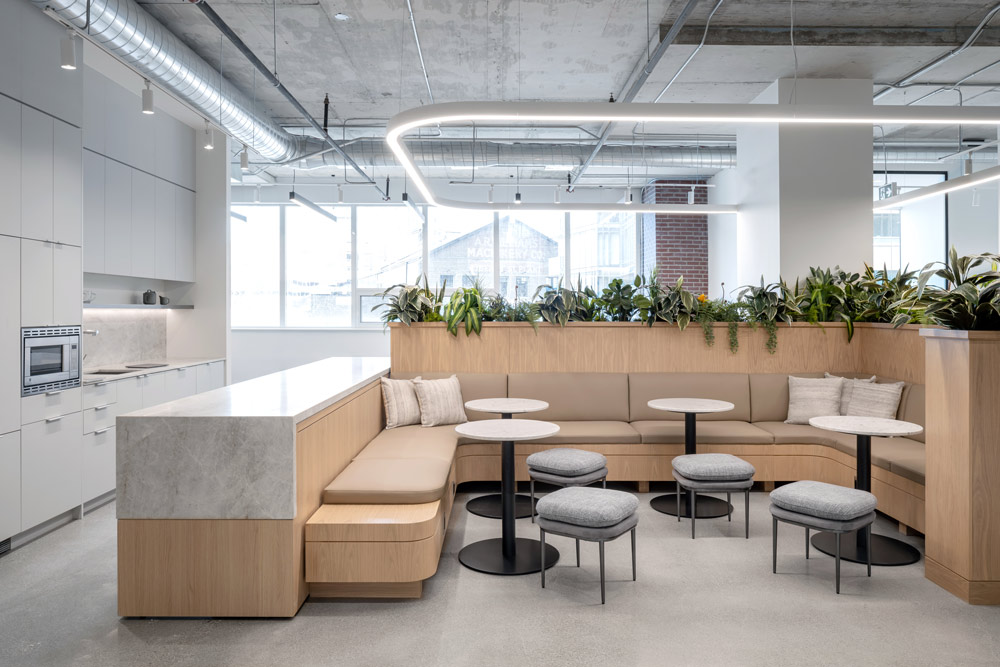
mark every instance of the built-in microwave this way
{"type": "Point", "coordinates": [51, 360]}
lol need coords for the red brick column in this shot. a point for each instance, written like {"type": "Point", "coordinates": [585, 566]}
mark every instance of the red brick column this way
{"type": "Point", "coordinates": [676, 244]}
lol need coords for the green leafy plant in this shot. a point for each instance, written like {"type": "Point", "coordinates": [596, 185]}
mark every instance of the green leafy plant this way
{"type": "Point", "coordinates": [880, 291]}
{"type": "Point", "coordinates": [496, 308]}
{"type": "Point", "coordinates": [711, 311]}
{"type": "Point", "coordinates": [971, 301]}
{"type": "Point", "coordinates": [411, 303]}
{"type": "Point", "coordinates": [671, 305]}
{"type": "Point", "coordinates": [827, 296]}
{"type": "Point", "coordinates": [465, 307]}
{"type": "Point", "coordinates": [767, 305]}
{"type": "Point", "coordinates": [556, 305]}
{"type": "Point", "coordinates": [618, 299]}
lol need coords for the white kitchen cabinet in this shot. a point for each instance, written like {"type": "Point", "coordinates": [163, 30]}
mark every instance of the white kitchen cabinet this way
{"type": "Point", "coordinates": [94, 109]}
{"type": "Point", "coordinates": [10, 334]}
{"type": "Point", "coordinates": [10, 484]}
{"type": "Point", "coordinates": [153, 389]}
{"type": "Point", "coordinates": [100, 393]}
{"type": "Point", "coordinates": [37, 407]}
{"type": "Point", "coordinates": [67, 183]}
{"type": "Point", "coordinates": [180, 382]}
{"type": "Point", "coordinates": [36, 283]}
{"type": "Point", "coordinates": [143, 224]}
{"type": "Point", "coordinates": [117, 218]}
{"type": "Point", "coordinates": [10, 165]}
{"type": "Point", "coordinates": [99, 418]}
{"type": "Point", "coordinates": [128, 395]}
{"type": "Point", "coordinates": [98, 454]}
{"type": "Point", "coordinates": [36, 174]}
{"type": "Point", "coordinates": [93, 212]}
{"type": "Point", "coordinates": [166, 235]}
{"type": "Point", "coordinates": [50, 468]}
{"type": "Point", "coordinates": [211, 376]}
{"type": "Point", "coordinates": [184, 252]}
{"type": "Point", "coordinates": [67, 285]}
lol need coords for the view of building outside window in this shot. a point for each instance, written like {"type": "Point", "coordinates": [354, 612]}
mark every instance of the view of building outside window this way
{"type": "Point", "coordinates": [460, 247]}
{"type": "Point", "coordinates": [318, 281]}
{"type": "Point", "coordinates": [531, 252]}
{"type": "Point", "coordinates": [390, 246]}
{"type": "Point", "coordinates": [602, 247]}
{"type": "Point", "coordinates": [914, 234]}
{"type": "Point", "coordinates": [256, 266]}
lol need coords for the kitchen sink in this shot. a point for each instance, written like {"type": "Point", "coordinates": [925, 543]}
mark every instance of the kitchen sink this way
{"type": "Point", "coordinates": [111, 371]}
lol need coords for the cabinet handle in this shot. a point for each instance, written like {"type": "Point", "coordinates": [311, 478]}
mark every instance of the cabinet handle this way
{"type": "Point", "coordinates": [102, 407]}
{"type": "Point", "coordinates": [53, 393]}
{"type": "Point", "coordinates": [101, 384]}
{"type": "Point", "coordinates": [51, 420]}
{"type": "Point", "coordinates": [102, 430]}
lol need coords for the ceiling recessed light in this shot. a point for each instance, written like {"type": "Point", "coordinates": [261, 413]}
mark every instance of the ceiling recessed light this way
{"type": "Point", "coordinates": [340, 16]}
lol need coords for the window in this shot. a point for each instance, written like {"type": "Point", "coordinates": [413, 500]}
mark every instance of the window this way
{"type": "Point", "coordinates": [460, 243]}
{"type": "Point", "coordinates": [256, 266]}
{"type": "Point", "coordinates": [531, 251]}
{"type": "Point", "coordinates": [317, 268]}
{"type": "Point", "coordinates": [914, 234]}
{"type": "Point", "coordinates": [602, 247]}
{"type": "Point", "coordinates": [390, 246]}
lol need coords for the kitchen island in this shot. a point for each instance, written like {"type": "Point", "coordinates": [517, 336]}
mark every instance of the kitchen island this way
{"type": "Point", "coordinates": [214, 489]}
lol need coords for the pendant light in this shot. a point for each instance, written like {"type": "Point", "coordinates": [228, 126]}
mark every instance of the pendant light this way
{"type": "Point", "coordinates": [517, 195]}
{"type": "Point", "coordinates": [556, 197]}
{"type": "Point", "coordinates": [147, 100]}
{"type": "Point", "coordinates": [489, 196]}
{"type": "Point", "coordinates": [975, 197]}
{"type": "Point", "coordinates": [628, 196]}
{"type": "Point", "coordinates": [67, 50]}
{"type": "Point", "coordinates": [340, 194]}
{"type": "Point", "coordinates": [245, 159]}
{"type": "Point", "coordinates": [691, 195]}
{"type": "Point", "coordinates": [209, 139]}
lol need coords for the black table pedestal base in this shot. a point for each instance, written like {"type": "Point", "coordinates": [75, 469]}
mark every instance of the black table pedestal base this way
{"type": "Point", "coordinates": [708, 506]}
{"type": "Point", "coordinates": [487, 556]}
{"type": "Point", "coordinates": [886, 551]}
{"type": "Point", "coordinates": [491, 506]}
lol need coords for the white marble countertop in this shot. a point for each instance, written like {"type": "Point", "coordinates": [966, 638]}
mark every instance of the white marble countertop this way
{"type": "Point", "coordinates": [89, 377]}
{"type": "Point", "coordinates": [298, 392]}
{"type": "Point", "coordinates": [506, 405]}
{"type": "Point", "coordinates": [690, 405]}
{"type": "Point", "coordinates": [865, 425]}
{"type": "Point", "coordinates": [507, 429]}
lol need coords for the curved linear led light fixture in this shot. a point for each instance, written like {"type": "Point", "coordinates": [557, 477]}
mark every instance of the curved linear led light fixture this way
{"type": "Point", "coordinates": [601, 112]}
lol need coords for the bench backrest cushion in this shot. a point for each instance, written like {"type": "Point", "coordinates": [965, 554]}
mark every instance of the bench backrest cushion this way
{"type": "Point", "coordinates": [912, 407]}
{"type": "Point", "coordinates": [574, 396]}
{"type": "Point", "coordinates": [769, 395]}
{"type": "Point", "coordinates": [474, 386]}
{"type": "Point", "coordinates": [732, 387]}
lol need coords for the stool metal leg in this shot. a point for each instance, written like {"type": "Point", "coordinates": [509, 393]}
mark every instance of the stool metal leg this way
{"type": "Point", "coordinates": [868, 530]}
{"type": "Point", "coordinates": [678, 497]}
{"type": "Point", "coordinates": [542, 534]}
{"type": "Point", "coordinates": [807, 544]}
{"type": "Point", "coordinates": [746, 503]}
{"type": "Point", "coordinates": [578, 553]}
{"type": "Point", "coordinates": [694, 509]}
{"type": "Point", "coordinates": [531, 483]}
{"type": "Point", "coordinates": [774, 545]}
{"type": "Point", "coordinates": [604, 483]}
{"type": "Point", "coordinates": [838, 562]}
{"type": "Point", "coordinates": [602, 571]}
{"type": "Point", "coordinates": [633, 555]}
{"type": "Point", "coordinates": [729, 502]}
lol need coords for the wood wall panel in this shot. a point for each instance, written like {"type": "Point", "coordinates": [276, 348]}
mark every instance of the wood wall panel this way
{"type": "Point", "coordinates": [429, 347]}
{"type": "Point", "coordinates": [984, 458]}
{"type": "Point", "coordinates": [594, 348]}
{"type": "Point", "coordinates": [891, 353]}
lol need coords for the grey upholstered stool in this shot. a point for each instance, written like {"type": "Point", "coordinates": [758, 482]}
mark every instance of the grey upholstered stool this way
{"type": "Point", "coordinates": [594, 515]}
{"type": "Point", "coordinates": [566, 467]}
{"type": "Point", "coordinates": [713, 473]}
{"type": "Point", "coordinates": [821, 506]}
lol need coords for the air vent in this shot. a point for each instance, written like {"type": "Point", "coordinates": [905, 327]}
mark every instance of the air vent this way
{"type": "Point", "coordinates": [4, 546]}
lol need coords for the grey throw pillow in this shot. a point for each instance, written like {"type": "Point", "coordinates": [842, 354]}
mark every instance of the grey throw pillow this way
{"type": "Point", "coordinates": [440, 401]}
{"type": "Point", "coordinates": [876, 400]}
{"type": "Point", "coordinates": [400, 400]}
{"type": "Point", "coordinates": [848, 391]}
{"type": "Point", "coordinates": [813, 397]}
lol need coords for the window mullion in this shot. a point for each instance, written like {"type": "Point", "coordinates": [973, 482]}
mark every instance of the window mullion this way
{"type": "Point", "coordinates": [496, 251]}
{"type": "Point", "coordinates": [355, 296]}
{"type": "Point", "coordinates": [281, 267]}
{"type": "Point", "coordinates": [566, 249]}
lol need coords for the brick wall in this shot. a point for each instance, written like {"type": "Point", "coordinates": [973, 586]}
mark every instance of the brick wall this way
{"type": "Point", "coordinates": [676, 244]}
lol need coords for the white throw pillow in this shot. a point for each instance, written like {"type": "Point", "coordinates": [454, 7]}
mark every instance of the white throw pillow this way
{"type": "Point", "coordinates": [813, 397]}
{"type": "Point", "coordinates": [440, 401]}
{"type": "Point", "coordinates": [848, 391]}
{"type": "Point", "coordinates": [876, 400]}
{"type": "Point", "coordinates": [401, 406]}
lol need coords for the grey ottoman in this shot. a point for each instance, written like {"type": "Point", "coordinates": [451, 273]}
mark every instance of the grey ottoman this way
{"type": "Point", "coordinates": [594, 515]}
{"type": "Point", "coordinates": [820, 506]}
{"type": "Point", "coordinates": [566, 467]}
{"type": "Point", "coordinates": [713, 473]}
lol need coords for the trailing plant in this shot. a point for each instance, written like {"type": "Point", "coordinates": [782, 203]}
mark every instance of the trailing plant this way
{"type": "Point", "coordinates": [970, 302]}
{"type": "Point", "coordinates": [711, 311]}
{"type": "Point", "coordinates": [411, 303]}
{"type": "Point", "coordinates": [766, 305]}
{"type": "Point", "coordinates": [618, 299]}
{"type": "Point", "coordinates": [465, 307]}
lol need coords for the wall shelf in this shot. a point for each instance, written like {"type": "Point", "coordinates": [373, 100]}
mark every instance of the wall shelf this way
{"type": "Point", "coordinates": [137, 306]}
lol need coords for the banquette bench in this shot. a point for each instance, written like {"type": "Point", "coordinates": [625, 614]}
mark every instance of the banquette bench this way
{"type": "Point", "coordinates": [381, 526]}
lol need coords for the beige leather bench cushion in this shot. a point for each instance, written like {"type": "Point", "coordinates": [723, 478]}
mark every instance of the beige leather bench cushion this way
{"type": "Point", "coordinates": [803, 434]}
{"type": "Point", "coordinates": [732, 387]}
{"type": "Point", "coordinates": [591, 433]}
{"type": "Point", "coordinates": [913, 406]}
{"type": "Point", "coordinates": [389, 481]}
{"type": "Point", "coordinates": [413, 442]}
{"type": "Point", "coordinates": [903, 456]}
{"type": "Point", "coordinates": [769, 395]}
{"type": "Point", "coordinates": [474, 386]}
{"type": "Point", "coordinates": [574, 396]}
{"type": "Point", "coordinates": [709, 433]}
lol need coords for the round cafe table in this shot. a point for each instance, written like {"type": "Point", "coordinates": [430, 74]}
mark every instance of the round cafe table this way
{"type": "Point", "coordinates": [489, 506]}
{"type": "Point", "coordinates": [507, 554]}
{"type": "Point", "coordinates": [884, 550]}
{"type": "Point", "coordinates": [708, 506]}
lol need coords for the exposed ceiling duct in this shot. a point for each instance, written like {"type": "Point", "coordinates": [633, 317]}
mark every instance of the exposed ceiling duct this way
{"type": "Point", "coordinates": [128, 32]}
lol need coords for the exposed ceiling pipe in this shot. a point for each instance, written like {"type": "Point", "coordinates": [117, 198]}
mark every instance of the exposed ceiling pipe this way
{"type": "Point", "coordinates": [420, 53]}
{"type": "Point", "coordinates": [636, 86]}
{"type": "Point", "coordinates": [941, 59]}
{"type": "Point", "coordinates": [273, 80]}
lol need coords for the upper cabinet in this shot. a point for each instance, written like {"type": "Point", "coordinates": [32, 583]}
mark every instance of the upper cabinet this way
{"type": "Point", "coordinates": [93, 212]}
{"type": "Point", "coordinates": [67, 183]}
{"type": "Point", "coordinates": [51, 178]}
{"type": "Point", "coordinates": [51, 282]}
{"type": "Point", "coordinates": [143, 221]}
{"type": "Point", "coordinates": [10, 165]}
{"type": "Point", "coordinates": [117, 219]}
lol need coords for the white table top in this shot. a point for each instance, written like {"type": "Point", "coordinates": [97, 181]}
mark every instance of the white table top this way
{"type": "Point", "coordinates": [506, 405]}
{"type": "Point", "coordinates": [866, 425]}
{"type": "Point", "coordinates": [690, 405]}
{"type": "Point", "coordinates": [507, 429]}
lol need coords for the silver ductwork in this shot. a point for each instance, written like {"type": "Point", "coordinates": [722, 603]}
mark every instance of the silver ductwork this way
{"type": "Point", "coordinates": [127, 31]}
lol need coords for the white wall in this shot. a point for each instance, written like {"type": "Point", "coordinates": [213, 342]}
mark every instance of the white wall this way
{"type": "Point", "coordinates": [723, 231]}
{"type": "Point", "coordinates": [256, 352]}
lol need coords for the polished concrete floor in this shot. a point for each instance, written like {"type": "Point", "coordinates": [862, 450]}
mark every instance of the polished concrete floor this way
{"type": "Point", "coordinates": [711, 601]}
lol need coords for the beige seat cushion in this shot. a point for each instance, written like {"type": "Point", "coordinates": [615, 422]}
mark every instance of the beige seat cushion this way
{"type": "Point", "coordinates": [709, 433]}
{"type": "Point", "coordinates": [592, 433]}
{"type": "Point", "coordinates": [903, 456]}
{"type": "Point", "coordinates": [474, 386]}
{"type": "Point", "coordinates": [803, 434]}
{"type": "Point", "coordinates": [412, 442]}
{"type": "Point", "coordinates": [645, 387]}
{"type": "Point", "coordinates": [574, 396]}
{"type": "Point", "coordinates": [389, 481]}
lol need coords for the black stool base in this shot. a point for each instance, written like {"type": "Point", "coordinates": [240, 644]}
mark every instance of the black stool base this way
{"type": "Point", "coordinates": [886, 551]}
{"type": "Point", "coordinates": [491, 506]}
{"type": "Point", "coordinates": [708, 506]}
{"type": "Point", "coordinates": [487, 556]}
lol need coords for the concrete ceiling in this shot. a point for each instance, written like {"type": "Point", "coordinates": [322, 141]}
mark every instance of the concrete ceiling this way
{"type": "Point", "coordinates": [579, 50]}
